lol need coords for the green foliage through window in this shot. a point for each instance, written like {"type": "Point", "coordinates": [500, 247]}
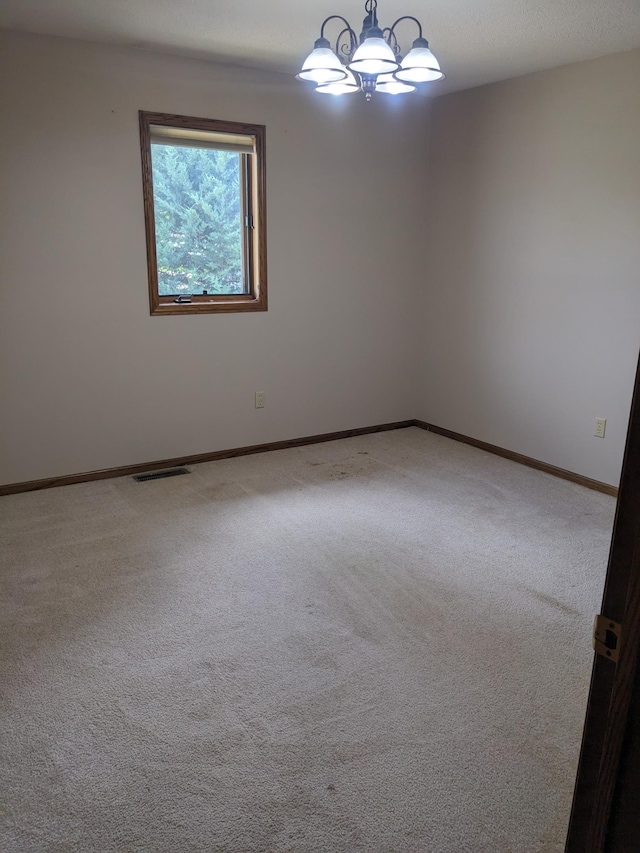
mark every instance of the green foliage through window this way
{"type": "Point", "coordinates": [198, 219]}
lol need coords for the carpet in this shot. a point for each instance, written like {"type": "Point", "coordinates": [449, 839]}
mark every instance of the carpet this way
{"type": "Point", "coordinates": [374, 644]}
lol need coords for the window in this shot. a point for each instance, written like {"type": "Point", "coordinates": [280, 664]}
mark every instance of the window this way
{"type": "Point", "coordinates": [205, 211]}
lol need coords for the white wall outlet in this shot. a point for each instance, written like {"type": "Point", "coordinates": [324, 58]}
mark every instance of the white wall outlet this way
{"type": "Point", "coordinates": [260, 400]}
{"type": "Point", "coordinates": [601, 426]}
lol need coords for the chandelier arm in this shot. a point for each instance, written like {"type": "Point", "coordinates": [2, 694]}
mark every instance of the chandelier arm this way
{"type": "Point", "coordinates": [348, 48]}
{"type": "Point", "coordinates": [406, 18]}
{"type": "Point", "coordinates": [338, 18]}
{"type": "Point", "coordinates": [391, 39]}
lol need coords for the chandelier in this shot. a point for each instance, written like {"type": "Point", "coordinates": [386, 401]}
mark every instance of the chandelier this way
{"type": "Point", "coordinates": [371, 63]}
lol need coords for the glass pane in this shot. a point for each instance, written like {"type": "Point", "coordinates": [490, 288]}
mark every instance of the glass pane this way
{"type": "Point", "coordinates": [198, 213]}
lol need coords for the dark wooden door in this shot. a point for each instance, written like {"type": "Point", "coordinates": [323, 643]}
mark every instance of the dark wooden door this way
{"type": "Point", "coordinates": [603, 817]}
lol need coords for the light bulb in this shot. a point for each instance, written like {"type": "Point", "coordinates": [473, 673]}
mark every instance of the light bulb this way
{"type": "Point", "coordinates": [419, 65]}
{"type": "Point", "coordinates": [322, 65]}
{"type": "Point", "coordinates": [374, 56]}
{"type": "Point", "coordinates": [388, 85]}
{"type": "Point", "coordinates": [342, 87]}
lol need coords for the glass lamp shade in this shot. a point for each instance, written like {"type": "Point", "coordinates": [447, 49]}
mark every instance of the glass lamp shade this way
{"type": "Point", "coordinates": [374, 56]}
{"type": "Point", "coordinates": [342, 87]}
{"type": "Point", "coordinates": [419, 65]}
{"type": "Point", "coordinates": [322, 65]}
{"type": "Point", "coordinates": [388, 85]}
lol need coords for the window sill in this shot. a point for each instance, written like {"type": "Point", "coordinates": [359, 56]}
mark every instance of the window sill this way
{"type": "Point", "coordinates": [210, 306]}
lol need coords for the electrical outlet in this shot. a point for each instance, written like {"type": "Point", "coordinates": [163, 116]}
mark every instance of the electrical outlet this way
{"type": "Point", "coordinates": [601, 426]}
{"type": "Point", "coordinates": [259, 399]}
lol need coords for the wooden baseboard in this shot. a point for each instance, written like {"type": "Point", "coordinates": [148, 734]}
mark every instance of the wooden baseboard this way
{"type": "Point", "coordinates": [128, 470]}
{"type": "Point", "coordinates": [596, 485]}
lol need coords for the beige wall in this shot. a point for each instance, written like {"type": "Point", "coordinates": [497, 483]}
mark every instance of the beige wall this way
{"type": "Point", "coordinates": [531, 310]}
{"type": "Point", "coordinates": [500, 297]}
{"type": "Point", "coordinates": [89, 379]}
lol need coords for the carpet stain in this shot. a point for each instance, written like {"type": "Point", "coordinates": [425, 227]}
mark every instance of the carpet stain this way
{"type": "Point", "coordinates": [553, 602]}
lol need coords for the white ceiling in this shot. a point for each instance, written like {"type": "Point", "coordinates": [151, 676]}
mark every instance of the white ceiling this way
{"type": "Point", "coordinates": [476, 41]}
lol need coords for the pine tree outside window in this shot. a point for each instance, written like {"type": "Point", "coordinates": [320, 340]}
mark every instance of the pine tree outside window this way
{"type": "Point", "coordinates": [204, 200]}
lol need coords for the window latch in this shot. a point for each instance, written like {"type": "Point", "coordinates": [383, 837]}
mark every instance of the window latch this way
{"type": "Point", "coordinates": [248, 220]}
{"type": "Point", "coordinates": [182, 300]}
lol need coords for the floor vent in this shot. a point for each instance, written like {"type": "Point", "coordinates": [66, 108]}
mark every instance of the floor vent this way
{"type": "Point", "coordinates": [160, 475]}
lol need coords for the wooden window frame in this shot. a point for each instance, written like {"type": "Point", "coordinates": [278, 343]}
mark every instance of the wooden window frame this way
{"type": "Point", "coordinates": [254, 211]}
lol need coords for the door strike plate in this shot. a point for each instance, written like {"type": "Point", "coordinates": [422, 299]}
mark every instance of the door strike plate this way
{"type": "Point", "coordinates": [606, 638]}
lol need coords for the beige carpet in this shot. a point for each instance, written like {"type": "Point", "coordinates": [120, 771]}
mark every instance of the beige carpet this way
{"type": "Point", "coordinates": [377, 644]}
